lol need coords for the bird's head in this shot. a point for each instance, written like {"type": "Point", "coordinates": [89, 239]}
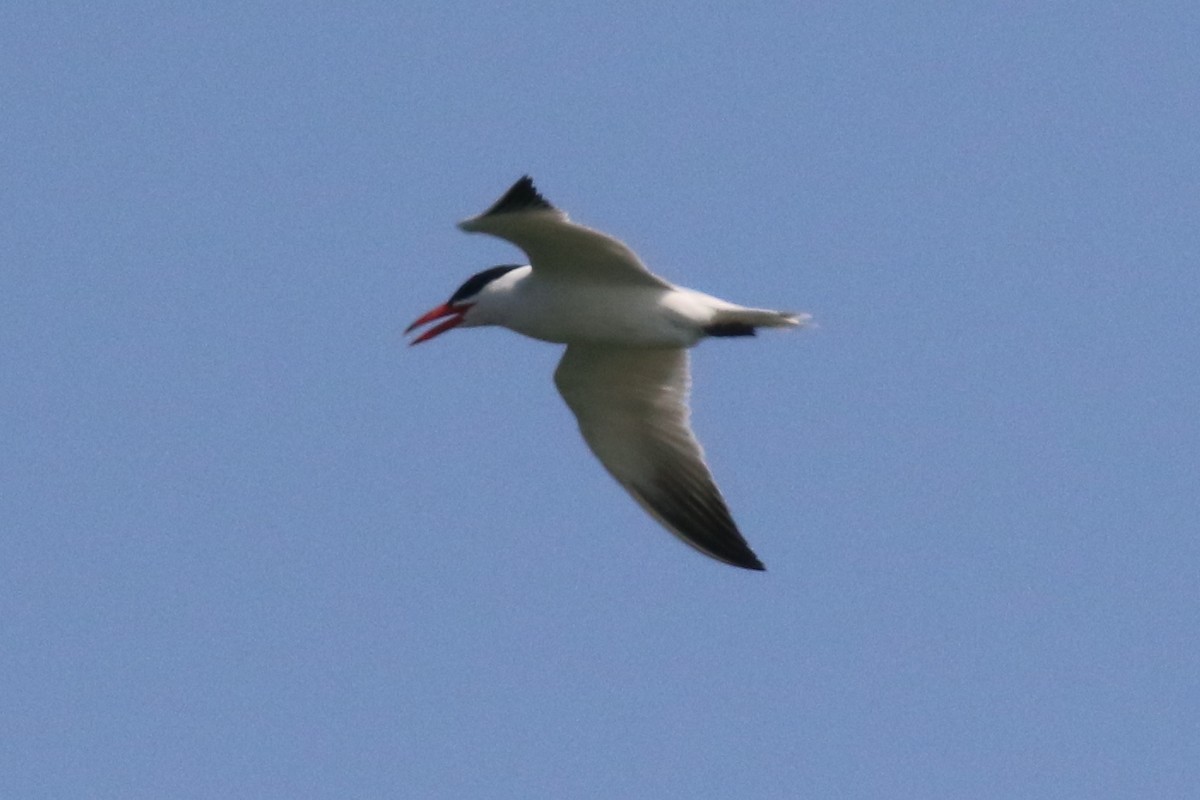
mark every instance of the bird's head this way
{"type": "Point", "coordinates": [460, 309]}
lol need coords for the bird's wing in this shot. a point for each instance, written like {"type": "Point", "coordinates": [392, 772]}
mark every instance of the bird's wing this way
{"type": "Point", "coordinates": [631, 404]}
{"type": "Point", "coordinates": [556, 246]}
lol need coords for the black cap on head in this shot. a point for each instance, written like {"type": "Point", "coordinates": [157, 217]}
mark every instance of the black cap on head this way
{"type": "Point", "coordinates": [476, 282]}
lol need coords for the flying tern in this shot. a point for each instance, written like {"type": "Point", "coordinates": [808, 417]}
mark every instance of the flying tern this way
{"type": "Point", "coordinates": [625, 371]}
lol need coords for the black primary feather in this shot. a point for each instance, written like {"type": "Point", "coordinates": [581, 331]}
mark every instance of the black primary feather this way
{"type": "Point", "coordinates": [522, 196]}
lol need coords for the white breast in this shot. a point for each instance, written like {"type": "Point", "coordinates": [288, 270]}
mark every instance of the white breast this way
{"type": "Point", "coordinates": [572, 311]}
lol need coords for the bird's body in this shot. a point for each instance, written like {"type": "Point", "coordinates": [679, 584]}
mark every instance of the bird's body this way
{"type": "Point", "coordinates": [625, 372]}
{"type": "Point", "coordinates": [568, 312]}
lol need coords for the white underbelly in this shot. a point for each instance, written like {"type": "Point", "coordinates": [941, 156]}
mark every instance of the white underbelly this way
{"type": "Point", "coordinates": [630, 316]}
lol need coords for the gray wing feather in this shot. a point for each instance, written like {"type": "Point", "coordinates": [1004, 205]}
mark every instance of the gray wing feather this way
{"type": "Point", "coordinates": [631, 404]}
{"type": "Point", "coordinates": [555, 245]}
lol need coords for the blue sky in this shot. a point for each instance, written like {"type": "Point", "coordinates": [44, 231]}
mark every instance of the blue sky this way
{"type": "Point", "coordinates": [253, 546]}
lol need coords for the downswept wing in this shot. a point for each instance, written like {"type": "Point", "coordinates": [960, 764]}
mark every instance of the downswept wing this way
{"type": "Point", "coordinates": [631, 404]}
{"type": "Point", "coordinates": [556, 246]}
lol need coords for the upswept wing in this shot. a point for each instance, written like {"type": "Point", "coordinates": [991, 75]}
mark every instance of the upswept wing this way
{"type": "Point", "coordinates": [556, 246]}
{"type": "Point", "coordinates": [631, 404]}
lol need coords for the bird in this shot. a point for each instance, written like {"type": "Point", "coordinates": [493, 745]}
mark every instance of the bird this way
{"type": "Point", "coordinates": [625, 371]}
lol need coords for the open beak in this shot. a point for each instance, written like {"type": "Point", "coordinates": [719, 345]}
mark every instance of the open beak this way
{"type": "Point", "coordinates": [455, 318]}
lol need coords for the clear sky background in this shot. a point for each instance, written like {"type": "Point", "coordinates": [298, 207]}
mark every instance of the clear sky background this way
{"type": "Point", "coordinates": [254, 547]}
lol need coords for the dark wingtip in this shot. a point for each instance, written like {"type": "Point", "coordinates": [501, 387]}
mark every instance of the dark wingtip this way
{"type": "Point", "coordinates": [745, 559]}
{"type": "Point", "coordinates": [521, 196]}
{"type": "Point", "coordinates": [690, 506]}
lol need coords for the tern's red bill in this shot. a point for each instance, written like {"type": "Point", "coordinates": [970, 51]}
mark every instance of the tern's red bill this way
{"type": "Point", "coordinates": [444, 310]}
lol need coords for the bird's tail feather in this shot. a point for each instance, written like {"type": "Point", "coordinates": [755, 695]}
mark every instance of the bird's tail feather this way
{"type": "Point", "coordinates": [760, 318]}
